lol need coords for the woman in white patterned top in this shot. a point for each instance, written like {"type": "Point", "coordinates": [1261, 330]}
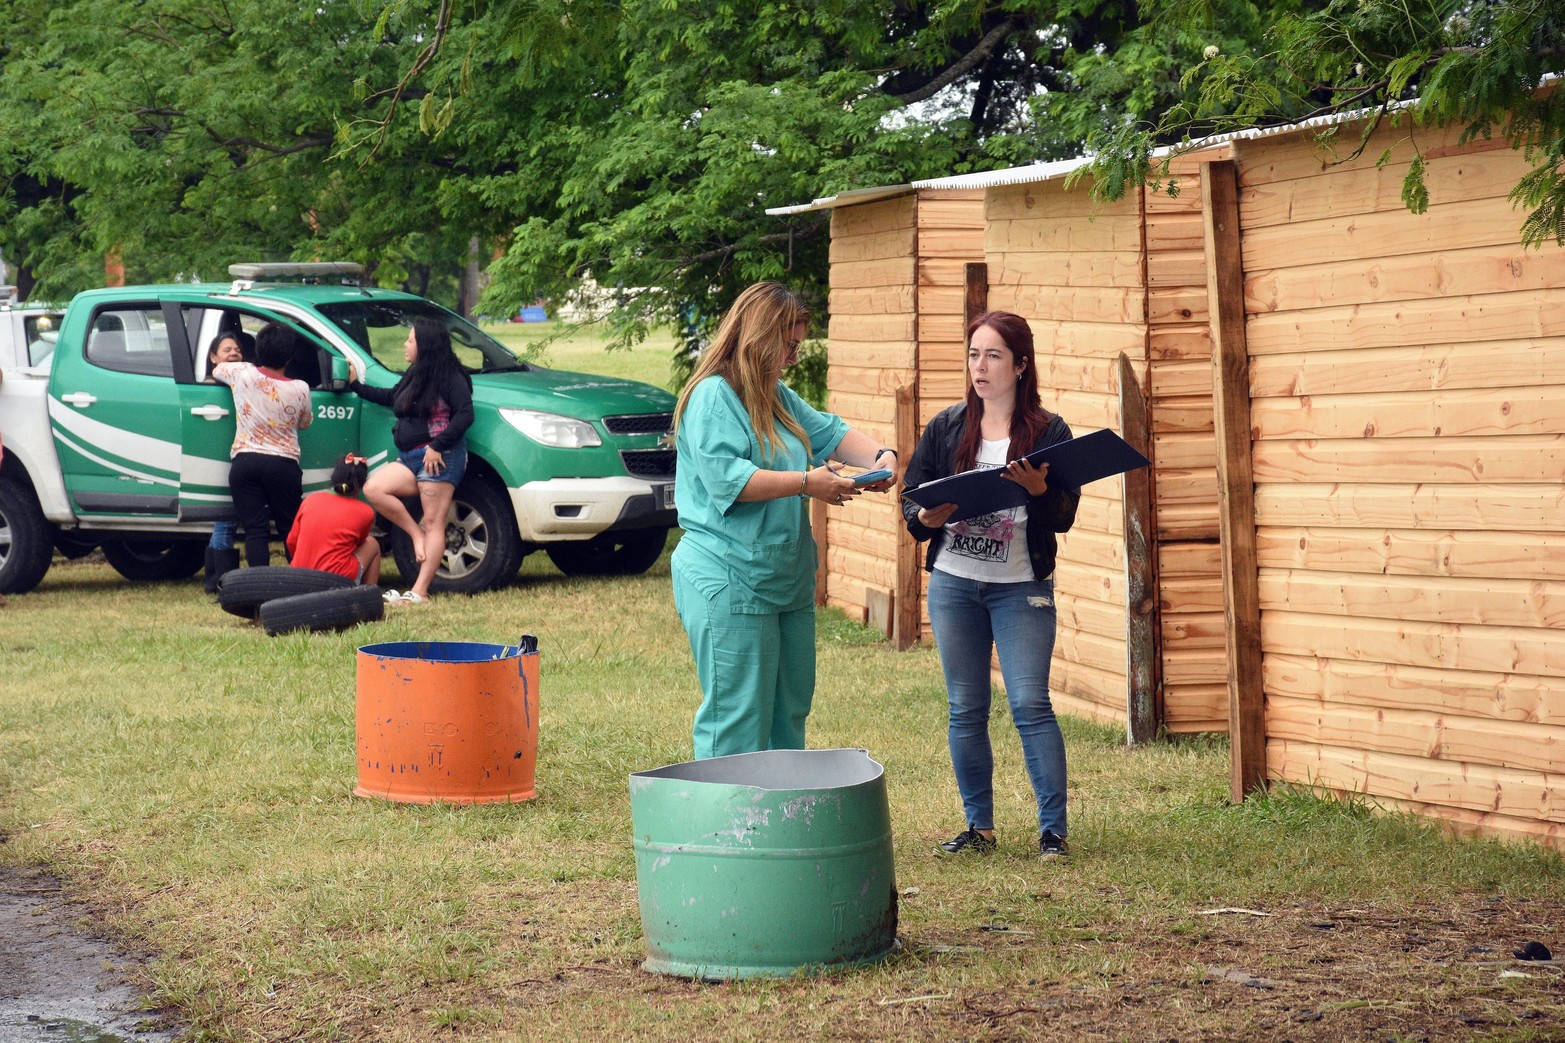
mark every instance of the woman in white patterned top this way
{"type": "Point", "coordinates": [270, 410]}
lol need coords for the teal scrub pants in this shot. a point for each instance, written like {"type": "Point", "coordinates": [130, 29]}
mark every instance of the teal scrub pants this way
{"type": "Point", "coordinates": [757, 672]}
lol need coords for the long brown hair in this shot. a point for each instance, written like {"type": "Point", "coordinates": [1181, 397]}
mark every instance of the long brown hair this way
{"type": "Point", "coordinates": [1029, 419]}
{"type": "Point", "coordinates": [751, 343]}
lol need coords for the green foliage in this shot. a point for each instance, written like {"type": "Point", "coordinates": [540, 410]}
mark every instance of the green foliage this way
{"type": "Point", "coordinates": [640, 142]}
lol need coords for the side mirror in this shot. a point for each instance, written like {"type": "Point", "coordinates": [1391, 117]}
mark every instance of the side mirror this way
{"type": "Point", "coordinates": [340, 373]}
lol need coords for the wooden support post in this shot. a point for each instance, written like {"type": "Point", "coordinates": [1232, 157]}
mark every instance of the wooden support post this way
{"type": "Point", "coordinates": [907, 607]}
{"type": "Point", "coordinates": [977, 298]}
{"type": "Point", "coordinates": [1235, 478]}
{"type": "Point", "coordinates": [1143, 644]}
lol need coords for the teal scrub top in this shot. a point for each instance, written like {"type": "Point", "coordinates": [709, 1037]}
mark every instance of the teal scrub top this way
{"type": "Point", "coordinates": [761, 551]}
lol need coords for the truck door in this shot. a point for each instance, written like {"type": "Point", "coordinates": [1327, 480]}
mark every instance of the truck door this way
{"type": "Point", "coordinates": [208, 413]}
{"type": "Point", "coordinates": [116, 416]}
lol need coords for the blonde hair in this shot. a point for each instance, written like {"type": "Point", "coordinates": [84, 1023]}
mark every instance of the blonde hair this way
{"type": "Point", "coordinates": [750, 346]}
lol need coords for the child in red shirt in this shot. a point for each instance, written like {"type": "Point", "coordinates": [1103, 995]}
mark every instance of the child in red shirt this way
{"type": "Point", "coordinates": [332, 529]}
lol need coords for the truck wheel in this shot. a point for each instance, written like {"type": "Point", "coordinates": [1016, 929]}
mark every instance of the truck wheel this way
{"type": "Point", "coordinates": [323, 610]}
{"type": "Point", "coordinates": [627, 553]}
{"type": "Point", "coordinates": [483, 549]}
{"type": "Point", "coordinates": [152, 561]}
{"type": "Point", "coordinates": [244, 591]}
{"type": "Point", "coordinates": [26, 544]}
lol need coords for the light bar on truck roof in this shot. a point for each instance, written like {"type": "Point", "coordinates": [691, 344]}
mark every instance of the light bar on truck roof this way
{"type": "Point", "coordinates": [296, 270]}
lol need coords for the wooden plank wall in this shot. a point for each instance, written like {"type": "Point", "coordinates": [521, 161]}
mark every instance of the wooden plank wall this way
{"type": "Point", "coordinates": [951, 236]}
{"type": "Point", "coordinates": [1189, 561]}
{"type": "Point", "coordinates": [1408, 409]}
{"type": "Point", "coordinates": [1074, 271]}
{"type": "Point", "coordinates": [897, 268]}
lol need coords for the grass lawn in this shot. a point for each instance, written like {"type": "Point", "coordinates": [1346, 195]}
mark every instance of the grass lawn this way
{"type": "Point", "coordinates": [190, 779]}
{"type": "Point", "coordinates": [562, 346]}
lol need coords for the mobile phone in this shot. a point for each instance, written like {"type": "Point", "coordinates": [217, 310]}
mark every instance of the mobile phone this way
{"type": "Point", "coordinates": [868, 477]}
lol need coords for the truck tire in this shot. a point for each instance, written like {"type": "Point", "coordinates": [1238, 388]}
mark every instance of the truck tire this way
{"type": "Point", "coordinates": [26, 542]}
{"type": "Point", "coordinates": [323, 610]}
{"type": "Point", "coordinates": [483, 548]}
{"type": "Point", "coordinates": [154, 561]}
{"type": "Point", "coordinates": [243, 591]}
{"type": "Point", "coordinates": [628, 553]}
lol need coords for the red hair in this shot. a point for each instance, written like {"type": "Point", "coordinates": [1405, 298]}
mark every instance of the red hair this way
{"type": "Point", "coordinates": [1029, 419]}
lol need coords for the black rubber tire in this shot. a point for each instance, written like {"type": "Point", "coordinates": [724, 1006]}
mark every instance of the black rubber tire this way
{"type": "Point", "coordinates": [244, 591]}
{"type": "Point", "coordinates": [26, 539]}
{"type": "Point", "coordinates": [628, 553]}
{"type": "Point", "coordinates": [483, 549]}
{"type": "Point", "coordinates": [155, 561]}
{"type": "Point", "coordinates": [323, 610]}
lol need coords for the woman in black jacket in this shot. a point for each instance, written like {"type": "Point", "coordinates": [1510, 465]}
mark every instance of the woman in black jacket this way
{"type": "Point", "coordinates": [433, 403]}
{"type": "Point", "coordinates": [992, 577]}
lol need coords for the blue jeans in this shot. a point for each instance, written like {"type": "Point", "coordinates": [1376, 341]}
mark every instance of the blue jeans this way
{"type": "Point", "coordinates": [970, 619]}
{"type": "Point", "coordinates": [223, 535]}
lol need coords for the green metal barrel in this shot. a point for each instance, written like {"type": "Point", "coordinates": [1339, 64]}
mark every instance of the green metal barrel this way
{"type": "Point", "coordinates": [764, 864]}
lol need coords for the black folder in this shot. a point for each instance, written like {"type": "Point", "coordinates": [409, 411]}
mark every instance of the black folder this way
{"type": "Point", "coordinates": [1072, 464]}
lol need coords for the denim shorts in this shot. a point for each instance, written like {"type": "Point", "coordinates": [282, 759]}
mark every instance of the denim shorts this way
{"type": "Point", "coordinates": [455, 458]}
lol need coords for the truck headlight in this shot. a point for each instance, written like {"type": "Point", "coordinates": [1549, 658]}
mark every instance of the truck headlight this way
{"type": "Point", "coordinates": [564, 432]}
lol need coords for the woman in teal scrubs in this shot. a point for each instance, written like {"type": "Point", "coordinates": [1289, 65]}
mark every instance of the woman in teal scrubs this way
{"type": "Point", "coordinates": [752, 454]}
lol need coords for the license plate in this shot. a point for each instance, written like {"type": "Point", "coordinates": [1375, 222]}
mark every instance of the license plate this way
{"type": "Point", "coordinates": [668, 497]}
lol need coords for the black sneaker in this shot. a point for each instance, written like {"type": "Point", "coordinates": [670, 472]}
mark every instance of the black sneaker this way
{"type": "Point", "coordinates": [967, 840]}
{"type": "Point", "coordinates": [1052, 846]}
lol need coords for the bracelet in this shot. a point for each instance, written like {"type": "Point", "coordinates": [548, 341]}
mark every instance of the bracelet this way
{"type": "Point", "coordinates": [882, 452]}
{"type": "Point", "coordinates": [803, 477]}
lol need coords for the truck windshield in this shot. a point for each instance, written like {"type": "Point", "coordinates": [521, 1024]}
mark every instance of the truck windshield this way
{"type": "Point", "coordinates": [381, 326]}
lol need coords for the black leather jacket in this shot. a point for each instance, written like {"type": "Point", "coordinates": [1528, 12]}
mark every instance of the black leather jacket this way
{"type": "Point", "coordinates": [1054, 511]}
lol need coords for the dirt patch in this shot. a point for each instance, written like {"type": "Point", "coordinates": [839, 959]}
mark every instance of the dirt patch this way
{"type": "Point", "coordinates": [59, 981]}
{"type": "Point", "coordinates": [1429, 971]}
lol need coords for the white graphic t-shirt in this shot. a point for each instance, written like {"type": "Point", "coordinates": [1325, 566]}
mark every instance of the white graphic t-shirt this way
{"type": "Point", "coordinates": [991, 548]}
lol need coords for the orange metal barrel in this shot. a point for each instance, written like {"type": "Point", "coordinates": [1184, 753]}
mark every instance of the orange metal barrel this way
{"type": "Point", "coordinates": [452, 721]}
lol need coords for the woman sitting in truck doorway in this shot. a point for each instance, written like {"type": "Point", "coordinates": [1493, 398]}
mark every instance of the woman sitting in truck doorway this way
{"type": "Point", "coordinates": [269, 410]}
{"type": "Point", "coordinates": [433, 403]}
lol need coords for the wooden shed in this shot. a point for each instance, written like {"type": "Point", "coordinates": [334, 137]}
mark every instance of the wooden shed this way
{"type": "Point", "coordinates": [1391, 397]}
{"type": "Point", "coordinates": [1350, 550]}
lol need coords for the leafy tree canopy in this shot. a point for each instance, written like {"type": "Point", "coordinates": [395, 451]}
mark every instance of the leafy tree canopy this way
{"type": "Point", "coordinates": [639, 140]}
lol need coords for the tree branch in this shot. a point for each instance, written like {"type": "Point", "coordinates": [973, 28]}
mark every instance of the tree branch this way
{"type": "Point", "coordinates": [809, 231]}
{"type": "Point", "coordinates": [981, 51]}
{"type": "Point", "coordinates": [425, 56]}
{"type": "Point", "coordinates": [301, 145]}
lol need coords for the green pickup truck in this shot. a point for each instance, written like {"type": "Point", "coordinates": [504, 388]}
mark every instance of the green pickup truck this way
{"type": "Point", "coordinates": [116, 439]}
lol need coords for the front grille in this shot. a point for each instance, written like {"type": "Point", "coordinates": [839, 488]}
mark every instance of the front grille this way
{"type": "Point", "coordinates": [639, 423]}
{"type": "Point", "coordinates": [651, 464]}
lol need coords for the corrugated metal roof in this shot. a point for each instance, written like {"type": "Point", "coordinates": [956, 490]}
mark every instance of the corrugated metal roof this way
{"type": "Point", "coordinates": [848, 198]}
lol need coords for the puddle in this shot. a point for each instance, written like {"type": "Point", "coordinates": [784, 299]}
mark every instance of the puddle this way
{"type": "Point", "coordinates": [58, 983]}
